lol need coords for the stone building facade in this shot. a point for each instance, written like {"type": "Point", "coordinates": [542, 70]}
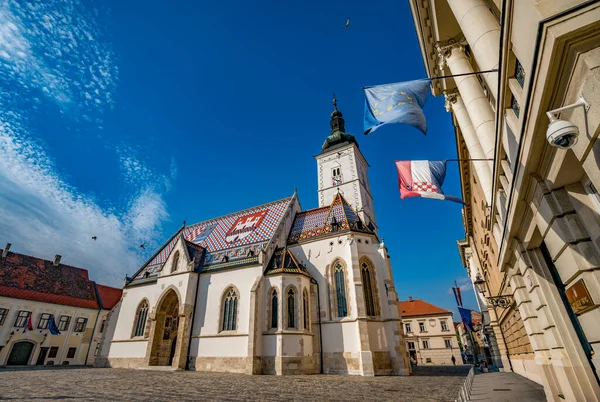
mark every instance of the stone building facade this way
{"type": "Point", "coordinates": [539, 203]}
{"type": "Point", "coordinates": [273, 289]}
{"type": "Point", "coordinates": [32, 291]}
{"type": "Point", "coordinates": [429, 333]}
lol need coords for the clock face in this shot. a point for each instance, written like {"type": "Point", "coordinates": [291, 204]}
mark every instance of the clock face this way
{"type": "Point", "coordinates": [337, 180]}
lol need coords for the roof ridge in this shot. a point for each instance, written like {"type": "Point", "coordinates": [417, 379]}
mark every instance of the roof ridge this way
{"type": "Point", "coordinates": [240, 211]}
{"type": "Point", "coordinates": [43, 259]}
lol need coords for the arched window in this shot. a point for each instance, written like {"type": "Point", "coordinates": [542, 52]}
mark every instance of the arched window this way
{"type": "Point", "coordinates": [365, 272]}
{"type": "Point", "coordinates": [274, 309]}
{"type": "Point", "coordinates": [175, 262]}
{"type": "Point", "coordinates": [140, 319]}
{"type": "Point", "coordinates": [340, 290]}
{"type": "Point", "coordinates": [230, 304]}
{"type": "Point", "coordinates": [291, 308]}
{"type": "Point", "coordinates": [305, 310]}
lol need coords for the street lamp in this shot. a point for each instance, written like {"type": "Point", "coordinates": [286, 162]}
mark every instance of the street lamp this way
{"type": "Point", "coordinates": [497, 301]}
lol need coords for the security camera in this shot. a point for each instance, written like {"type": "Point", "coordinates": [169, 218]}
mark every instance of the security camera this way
{"type": "Point", "coordinates": [562, 133]}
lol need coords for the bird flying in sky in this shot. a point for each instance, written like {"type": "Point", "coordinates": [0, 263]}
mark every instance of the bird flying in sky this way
{"type": "Point", "coordinates": [143, 245]}
{"type": "Point", "coordinates": [347, 23]}
{"type": "Point", "coordinates": [94, 238]}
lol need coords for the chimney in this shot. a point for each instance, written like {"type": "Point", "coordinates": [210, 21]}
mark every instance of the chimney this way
{"type": "Point", "coordinates": [57, 258]}
{"type": "Point", "coordinates": [5, 251]}
{"type": "Point", "coordinates": [409, 298]}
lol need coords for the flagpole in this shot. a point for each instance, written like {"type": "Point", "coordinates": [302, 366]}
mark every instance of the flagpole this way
{"type": "Point", "coordinates": [494, 70]}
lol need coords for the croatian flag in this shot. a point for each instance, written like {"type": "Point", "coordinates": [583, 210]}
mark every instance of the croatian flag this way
{"type": "Point", "coordinates": [423, 179]}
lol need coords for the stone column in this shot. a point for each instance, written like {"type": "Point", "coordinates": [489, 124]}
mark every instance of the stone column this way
{"type": "Point", "coordinates": [482, 32]}
{"type": "Point", "coordinates": [455, 104]}
{"type": "Point", "coordinates": [478, 107]}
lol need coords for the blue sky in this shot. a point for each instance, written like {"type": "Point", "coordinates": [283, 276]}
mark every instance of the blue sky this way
{"type": "Point", "coordinates": [121, 119]}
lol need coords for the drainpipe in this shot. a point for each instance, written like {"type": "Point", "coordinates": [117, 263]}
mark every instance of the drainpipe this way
{"type": "Point", "coordinates": [313, 280]}
{"type": "Point", "coordinates": [95, 323]}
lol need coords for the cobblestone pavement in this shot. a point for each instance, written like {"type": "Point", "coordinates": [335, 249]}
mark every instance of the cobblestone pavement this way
{"type": "Point", "coordinates": [86, 384]}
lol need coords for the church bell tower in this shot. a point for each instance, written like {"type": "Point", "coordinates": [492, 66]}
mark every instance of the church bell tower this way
{"type": "Point", "coordinates": [342, 168]}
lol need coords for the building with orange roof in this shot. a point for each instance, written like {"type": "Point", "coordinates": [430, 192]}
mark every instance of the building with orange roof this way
{"type": "Point", "coordinates": [429, 333]}
{"type": "Point", "coordinates": [34, 293]}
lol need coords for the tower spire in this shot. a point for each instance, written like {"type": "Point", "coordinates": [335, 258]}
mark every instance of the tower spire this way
{"type": "Point", "coordinates": [337, 121]}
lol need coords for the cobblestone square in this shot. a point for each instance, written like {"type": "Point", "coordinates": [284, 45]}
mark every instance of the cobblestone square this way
{"type": "Point", "coordinates": [427, 384]}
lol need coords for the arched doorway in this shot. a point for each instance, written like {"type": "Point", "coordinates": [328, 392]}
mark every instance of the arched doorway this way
{"type": "Point", "coordinates": [164, 343]}
{"type": "Point", "coordinates": [20, 353]}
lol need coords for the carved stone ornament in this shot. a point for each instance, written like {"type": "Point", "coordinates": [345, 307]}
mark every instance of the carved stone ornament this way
{"type": "Point", "coordinates": [444, 50]}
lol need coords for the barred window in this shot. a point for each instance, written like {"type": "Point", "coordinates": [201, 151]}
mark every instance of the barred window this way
{"type": "Point", "coordinates": [230, 303]}
{"type": "Point", "coordinates": [63, 322]}
{"type": "Point", "coordinates": [21, 319]}
{"type": "Point", "coordinates": [3, 314]}
{"type": "Point", "coordinates": [80, 324]}
{"type": "Point", "coordinates": [140, 319]}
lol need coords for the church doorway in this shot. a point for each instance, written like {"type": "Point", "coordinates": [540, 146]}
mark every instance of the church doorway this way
{"type": "Point", "coordinates": [20, 354]}
{"type": "Point", "coordinates": [164, 344]}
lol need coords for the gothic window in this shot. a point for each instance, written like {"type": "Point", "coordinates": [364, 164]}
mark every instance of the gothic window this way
{"type": "Point", "coordinates": [305, 310]}
{"type": "Point", "coordinates": [140, 319]}
{"type": "Point", "coordinates": [291, 308]}
{"type": "Point", "coordinates": [175, 262]}
{"type": "Point", "coordinates": [340, 290]}
{"type": "Point", "coordinates": [274, 309]}
{"type": "Point", "coordinates": [365, 272]}
{"type": "Point", "coordinates": [336, 176]}
{"type": "Point", "coordinates": [230, 304]}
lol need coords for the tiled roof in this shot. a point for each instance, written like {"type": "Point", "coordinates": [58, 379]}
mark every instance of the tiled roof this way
{"type": "Point", "coordinates": [339, 216]}
{"type": "Point", "coordinates": [229, 238]}
{"type": "Point", "coordinates": [109, 296]}
{"type": "Point", "coordinates": [31, 278]}
{"type": "Point", "coordinates": [283, 261]}
{"type": "Point", "coordinates": [417, 307]}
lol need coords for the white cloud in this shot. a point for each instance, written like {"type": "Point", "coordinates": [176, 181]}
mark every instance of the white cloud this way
{"type": "Point", "coordinates": [51, 52]}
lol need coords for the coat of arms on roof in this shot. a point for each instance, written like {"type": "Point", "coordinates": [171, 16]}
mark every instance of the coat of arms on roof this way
{"type": "Point", "coordinates": [244, 225]}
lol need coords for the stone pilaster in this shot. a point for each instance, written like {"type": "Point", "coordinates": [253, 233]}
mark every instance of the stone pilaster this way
{"type": "Point", "coordinates": [253, 363]}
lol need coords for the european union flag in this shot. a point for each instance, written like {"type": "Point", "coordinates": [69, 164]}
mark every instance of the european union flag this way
{"type": "Point", "coordinates": [396, 103]}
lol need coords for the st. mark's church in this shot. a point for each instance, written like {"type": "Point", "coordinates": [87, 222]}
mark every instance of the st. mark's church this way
{"type": "Point", "coordinates": [271, 289]}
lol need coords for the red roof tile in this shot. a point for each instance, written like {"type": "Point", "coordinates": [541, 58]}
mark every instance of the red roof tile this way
{"type": "Point", "coordinates": [30, 278]}
{"type": "Point", "coordinates": [109, 296]}
{"type": "Point", "coordinates": [416, 307]}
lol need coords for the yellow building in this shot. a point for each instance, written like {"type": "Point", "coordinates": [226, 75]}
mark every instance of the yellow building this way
{"type": "Point", "coordinates": [429, 333]}
{"type": "Point", "coordinates": [33, 292]}
{"type": "Point", "coordinates": [531, 118]}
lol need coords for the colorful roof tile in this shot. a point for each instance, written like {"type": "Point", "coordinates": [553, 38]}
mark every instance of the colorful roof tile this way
{"type": "Point", "coordinates": [234, 237]}
{"type": "Point", "coordinates": [339, 216]}
{"type": "Point", "coordinates": [417, 307]}
{"type": "Point", "coordinates": [283, 261]}
{"type": "Point", "coordinates": [31, 278]}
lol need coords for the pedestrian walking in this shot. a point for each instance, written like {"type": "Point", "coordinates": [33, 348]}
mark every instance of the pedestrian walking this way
{"type": "Point", "coordinates": [453, 361]}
